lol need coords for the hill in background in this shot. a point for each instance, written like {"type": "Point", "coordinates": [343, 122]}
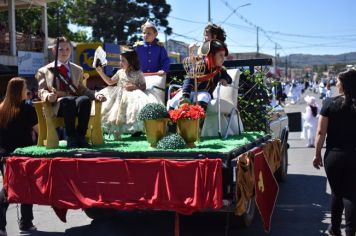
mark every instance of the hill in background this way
{"type": "Point", "coordinates": [308, 59]}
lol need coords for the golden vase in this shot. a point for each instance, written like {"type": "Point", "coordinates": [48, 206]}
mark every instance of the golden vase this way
{"type": "Point", "coordinates": [189, 130]}
{"type": "Point", "coordinates": [155, 130]}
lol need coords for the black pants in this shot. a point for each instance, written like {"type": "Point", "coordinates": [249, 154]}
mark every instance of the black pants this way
{"type": "Point", "coordinates": [72, 107]}
{"type": "Point", "coordinates": [340, 167]}
{"type": "Point", "coordinates": [26, 211]}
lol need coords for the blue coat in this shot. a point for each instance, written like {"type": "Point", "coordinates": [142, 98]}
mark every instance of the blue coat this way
{"type": "Point", "coordinates": [153, 57]}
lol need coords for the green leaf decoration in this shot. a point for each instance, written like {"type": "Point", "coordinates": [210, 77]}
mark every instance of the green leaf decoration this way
{"type": "Point", "coordinates": [171, 141]}
{"type": "Point", "coordinates": [153, 111]}
{"type": "Point", "coordinates": [253, 101]}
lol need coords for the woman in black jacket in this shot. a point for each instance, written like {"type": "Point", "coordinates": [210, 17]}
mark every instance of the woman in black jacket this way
{"type": "Point", "coordinates": [17, 122]}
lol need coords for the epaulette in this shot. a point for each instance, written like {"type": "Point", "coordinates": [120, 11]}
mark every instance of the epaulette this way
{"type": "Point", "coordinates": [138, 43]}
{"type": "Point", "coordinates": [159, 43]}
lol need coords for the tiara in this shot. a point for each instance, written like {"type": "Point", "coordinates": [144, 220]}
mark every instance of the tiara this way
{"type": "Point", "coordinates": [148, 24]}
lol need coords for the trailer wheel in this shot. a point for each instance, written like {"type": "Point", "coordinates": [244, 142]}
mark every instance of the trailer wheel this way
{"type": "Point", "coordinates": [246, 219]}
{"type": "Point", "coordinates": [97, 213]}
{"type": "Point", "coordinates": [281, 172]}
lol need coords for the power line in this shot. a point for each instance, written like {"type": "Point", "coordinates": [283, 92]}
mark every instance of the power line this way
{"type": "Point", "coordinates": [185, 36]}
{"type": "Point", "coordinates": [250, 23]}
{"type": "Point", "coordinates": [271, 35]}
{"type": "Point", "coordinates": [244, 5]}
{"type": "Point", "coordinates": [311, 36]}
{"type": "Point", "coordinates": [186, 20]}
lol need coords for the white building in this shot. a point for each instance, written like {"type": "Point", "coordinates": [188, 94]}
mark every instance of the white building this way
{"type": "Point", "coordinates": [10, 38]}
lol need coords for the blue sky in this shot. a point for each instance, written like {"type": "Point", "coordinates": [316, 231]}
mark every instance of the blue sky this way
{"type": "Point", "coordinates": [296, 26]}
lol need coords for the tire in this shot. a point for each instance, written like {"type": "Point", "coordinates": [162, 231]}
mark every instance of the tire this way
{"type": "Point", "coordinates": [97, 213]}
{"type": "Point", "coordinates": [247, 218]}
{"type": "Point", "coordinates": [282, 172]}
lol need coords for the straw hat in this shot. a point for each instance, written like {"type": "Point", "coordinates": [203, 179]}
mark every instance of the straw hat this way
{"type": "Point", "coordinates": [212, 46]}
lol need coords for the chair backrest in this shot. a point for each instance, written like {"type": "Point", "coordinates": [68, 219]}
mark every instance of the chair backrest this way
{"type": "Point", "coordinates": [156, 85]}
{"type": "Point", "coordinates": [228, 94]}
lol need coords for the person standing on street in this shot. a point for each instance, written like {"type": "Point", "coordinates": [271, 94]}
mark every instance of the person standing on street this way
{"type": "Point", "coordinates": [17, 121]}
{"type": "Point", "coordinates": [310, 123]}
{"type": "Point", "coordinates": [328, 93]}
{"type": "Point", "coordinates": [337, 124]}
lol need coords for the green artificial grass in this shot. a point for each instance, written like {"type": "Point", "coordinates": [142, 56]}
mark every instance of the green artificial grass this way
{"type": "Point", "coordinates": [130, 144]}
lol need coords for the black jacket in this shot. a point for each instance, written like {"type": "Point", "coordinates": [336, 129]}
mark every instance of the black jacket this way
{"type": "Point", "coordinates": [205, 86]}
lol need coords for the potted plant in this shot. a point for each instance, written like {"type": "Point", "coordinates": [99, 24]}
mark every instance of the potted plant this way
{"type": "Point", "coordinates": [187, 117]}
{"type": "Point", "coordinates": [155, 118]}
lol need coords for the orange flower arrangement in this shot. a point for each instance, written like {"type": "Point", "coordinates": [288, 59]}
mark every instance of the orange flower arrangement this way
{"type": "Point", "coordinates": [187, 111]}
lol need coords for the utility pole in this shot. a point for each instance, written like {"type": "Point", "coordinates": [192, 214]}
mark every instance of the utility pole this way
{"type": "Point", "coordinates": [209, 18]}
{"type": "Point", "coordinates": [166, 40]}
{"type": "Point", "coordinates": [286, 68]}
{"type": "Point", "coordinates": [275, 58]}
{"type": "Point", "coordinates": [258, 46]}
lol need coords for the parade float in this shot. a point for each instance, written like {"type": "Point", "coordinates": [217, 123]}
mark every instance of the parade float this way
{"type": "Point", "coordinates": [224, 172]}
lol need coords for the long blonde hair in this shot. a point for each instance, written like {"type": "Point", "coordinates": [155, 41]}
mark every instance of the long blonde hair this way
{"type": "Point", "coordinates": [10, 106]}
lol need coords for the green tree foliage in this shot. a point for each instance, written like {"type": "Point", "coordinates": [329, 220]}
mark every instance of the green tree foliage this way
{"type": "Point", "coordinates": [111, 20]}
{"type": "Point", "coordinates": [59, 19]}
{"type": "Point", "coordinates": [119, 20]}
{"type": "Point", "coordinates": [253, 102]}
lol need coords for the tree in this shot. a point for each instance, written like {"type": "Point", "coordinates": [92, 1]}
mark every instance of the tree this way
{"type": "Point", "coordinates": [59, 13]}
{"type": "Point", "coordinates": [111, 20]}
{"type": "Point", "coordinates": [119, 20]}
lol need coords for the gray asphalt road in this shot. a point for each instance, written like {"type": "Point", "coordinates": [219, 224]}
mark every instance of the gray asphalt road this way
{"type": "Point", "coordinates": [302, 209]}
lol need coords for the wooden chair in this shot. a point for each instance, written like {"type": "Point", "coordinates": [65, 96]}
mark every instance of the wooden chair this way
{"type": "Point", "coordinates": [48, 122]}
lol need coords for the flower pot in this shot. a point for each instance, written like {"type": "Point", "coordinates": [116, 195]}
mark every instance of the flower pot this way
{"type": "Point", "coordinates": [155, 130]}
{"type": "Point", "coordinates": [189, 130]}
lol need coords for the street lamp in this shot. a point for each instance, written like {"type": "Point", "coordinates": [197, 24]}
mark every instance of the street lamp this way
{"type": "Point", "coordinates": [244, 5]}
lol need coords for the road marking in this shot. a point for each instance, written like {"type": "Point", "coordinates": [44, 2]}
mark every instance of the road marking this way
{"type": "Point", "coordinates": [298, 205]}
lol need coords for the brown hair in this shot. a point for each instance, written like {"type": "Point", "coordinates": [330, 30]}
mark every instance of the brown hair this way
{"type": "Point", "coordinates": [10, 107]}
{"type": "Point", "coordinates": [348, 83]}
{"type": "Point", "coordinates": [132, 58]}
{"type": "Point", "coordinates": [328, 85]}
{"type": "Point", "coordinates": [61, 39]}
{"type": "Point", "coordinates": [216, 31]}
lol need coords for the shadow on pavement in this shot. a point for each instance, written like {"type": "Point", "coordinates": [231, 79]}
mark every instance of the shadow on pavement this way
{"type": "Point", "coordinates": [301, 207]}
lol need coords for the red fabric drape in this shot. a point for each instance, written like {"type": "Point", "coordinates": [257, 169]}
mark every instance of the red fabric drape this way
{"type": "Point", "coordinates": [72, 183]}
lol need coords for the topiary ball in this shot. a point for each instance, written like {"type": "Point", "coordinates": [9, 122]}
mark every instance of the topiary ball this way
{"type": "Point", "coordinates": [171, 141]}
{"type": "Point", "coordinates": [153, 111]}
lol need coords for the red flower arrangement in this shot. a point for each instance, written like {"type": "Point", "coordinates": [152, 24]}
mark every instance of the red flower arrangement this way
{"type": "Point", "coordinates": [187, 111]}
